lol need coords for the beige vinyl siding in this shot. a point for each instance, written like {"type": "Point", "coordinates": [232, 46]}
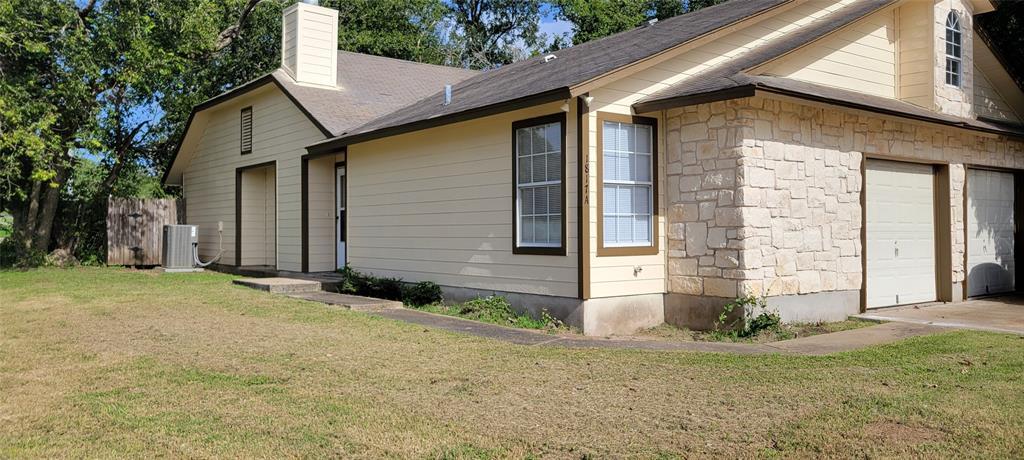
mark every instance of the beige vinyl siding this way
{"type": "Point", "coordinates": [289, 41]}
{"type": "Point", "coordinates": [437, 205]}
{"type": "Point", "coordinates": [915, 50]}
{"type": "Point", "coordinates": [988, 102]}
{"type": "Point", "coordinates": [280, 133]}
{"type": "Point", "coordinates": [612, 276]}
{"type": "Point", "coordinates": [693, 61]}
{"type": "Point", "coordinates": [860, 57]}
{"type": "Point", "coordinates": [259, 216]}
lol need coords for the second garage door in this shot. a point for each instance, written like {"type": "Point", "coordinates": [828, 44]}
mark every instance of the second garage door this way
{"type": "Point", "coordinates": [990, 227]}
{"type": "Point", "coordinates": [900, 233]}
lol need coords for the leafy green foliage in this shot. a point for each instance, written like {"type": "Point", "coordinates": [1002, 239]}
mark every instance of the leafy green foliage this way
{"type": "Point", "coordinates": [496, 310]}
{"type": "Point", "coordinates": [747, 316]}
{"type": "Point", "coordinates": [592, 19]}
{"type": "Point", "coordinates": [422, 293]}
{"type": "Point", "coordinates": [354, 282]}
{"type": "Point", "coordinates": [490, 33]}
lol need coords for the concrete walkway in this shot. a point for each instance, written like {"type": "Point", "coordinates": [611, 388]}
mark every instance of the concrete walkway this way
{"type": "Point", "coordinates": [814, 345]}
{"type": "Point", "coordinates": [992, 314]}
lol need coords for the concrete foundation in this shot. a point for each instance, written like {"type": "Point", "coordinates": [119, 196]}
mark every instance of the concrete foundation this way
{"type": "Point", "coordinates": [599, 317]}
{"type": "Point", "coordinates": [819, 307]}
{"type": "Point", "coordinates": [701, 312]}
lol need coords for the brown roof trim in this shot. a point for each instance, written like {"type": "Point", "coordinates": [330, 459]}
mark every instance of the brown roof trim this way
{"type": "Point", "coordinates": [229, 95]}
{"type": "Point", "coordinates": [748, 90]}
{"type": "Point", "coordinates": [493, 109]}
{"type": "Point", "coordinates": [694, 99]}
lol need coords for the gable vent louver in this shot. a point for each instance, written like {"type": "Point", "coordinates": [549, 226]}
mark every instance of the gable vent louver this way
{"type": "Point", "coordinates": [246, 130]}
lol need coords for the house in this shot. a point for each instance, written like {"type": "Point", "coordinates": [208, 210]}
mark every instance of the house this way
{"type": "Point", "coordinates": [834, 156]}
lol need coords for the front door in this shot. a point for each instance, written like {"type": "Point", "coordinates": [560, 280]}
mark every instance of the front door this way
{"type": "Point", "coordinates": [339, 217]}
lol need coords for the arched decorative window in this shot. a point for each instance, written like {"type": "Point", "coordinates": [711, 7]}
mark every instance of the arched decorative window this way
{"type": "Point", "coordinates": [954, 59]}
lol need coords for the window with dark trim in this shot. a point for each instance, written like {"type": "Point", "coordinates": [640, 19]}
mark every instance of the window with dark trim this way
{"type": "Point", "coordinates": [627, 178]}
{"type": "Point", "coordinates": [246, 142]}
{"type": "Point", "coordinates": [954, 50]}
{"type": "Point", "coordinates": [538, 180]}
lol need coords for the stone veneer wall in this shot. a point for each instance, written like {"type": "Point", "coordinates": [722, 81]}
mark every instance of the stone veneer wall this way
{"type": "Point", "coordinates": [764, 193]}
{"type": "Point", "coordinates": [950, 99]}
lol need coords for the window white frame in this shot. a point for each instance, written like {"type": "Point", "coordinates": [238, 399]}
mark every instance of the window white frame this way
{"type": "Point", "coordinates": [954, 51]}
{"type": "Point", "coordinates": [555, 244]}
{"type": "Point", "coordinates": [635, 246]}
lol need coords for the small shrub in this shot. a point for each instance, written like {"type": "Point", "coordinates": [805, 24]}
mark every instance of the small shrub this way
{"type": "Point", "coordinates": [357, 283]}
{"type": "Point", "coordinates": [422, 293]}
{"type": "Point", "coordinates": [747, 316]}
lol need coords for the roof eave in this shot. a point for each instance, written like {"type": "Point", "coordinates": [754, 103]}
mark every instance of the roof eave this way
{"type": "Point", "coordinates": [750, 90]}
{"type": "Point", "coordinates": [339, 142]}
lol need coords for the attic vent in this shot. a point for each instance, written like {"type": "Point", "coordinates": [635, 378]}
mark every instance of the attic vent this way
{"type": "Point", "coordinates": [651, 22]}
{"type": "Point", "coordinates": [550, 57]}
{"type": "Point", "coordinates": [246, 130]}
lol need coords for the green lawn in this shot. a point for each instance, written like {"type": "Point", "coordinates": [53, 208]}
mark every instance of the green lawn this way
{"type": "Point", "coordinates": [107, 362]}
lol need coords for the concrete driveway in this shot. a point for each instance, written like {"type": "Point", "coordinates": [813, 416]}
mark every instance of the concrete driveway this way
{"type": "Point", "coordinates": [994, 314]}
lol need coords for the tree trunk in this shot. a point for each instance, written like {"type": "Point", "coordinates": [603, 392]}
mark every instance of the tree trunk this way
{"type": "Point", "coordinates": [44, 225]}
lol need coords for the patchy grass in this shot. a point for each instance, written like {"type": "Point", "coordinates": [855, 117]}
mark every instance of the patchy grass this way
{"type": "Point", "coordinates": [786, 332]}
{"type": "Point", "coordinates": [101, 362]}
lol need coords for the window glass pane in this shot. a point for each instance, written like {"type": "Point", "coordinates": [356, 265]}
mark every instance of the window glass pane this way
{"type": "Point", "coordinates": [643, 168]}
{"type": "Point", "coordinates": [609, 199]}
{"type": "Point", "coordinates": [642, 229]}
{"type": "Point", "coordinates": [540, 200]}
{"type": "Point", "coordinates": [526, 200]}
{"type": "Point", "coordinates": [552, 137]}
{"type": "Point", "coordinates": [540, 166]}
{"type": "Point", "coordinates": [610, 135]}
{"type": "Point", "coordinates": [641, 200]}
{"type": "Point", "coordinates": [541, 229]}
{"type": "Point", "coordinates": [643, 139]}
{"type": "Point", "coordinates": [525, 171]}
{"type": "Point", "coordinates": [624, 227]}
{"type": "Point", "coordinates": [624, 200]}
{"type": "Point", "coordinates": [554, 199]}
{"type": "Point", "coordinates": [554, 166]}
{"type": "Point", "coordinates": [523, 142]}
{"type": "Point", "coordinates": [625, 168]}
{"type": "Point", "coordinates": [555, 229]}
{"type": "Point", "coordinates": [625, 138]}
{"type": "Point", "coordinates": [537, 132]}
{"type": "Point", "coordinates": [526, 230]}
{"type": "Point", "coordinates": [610, 235]}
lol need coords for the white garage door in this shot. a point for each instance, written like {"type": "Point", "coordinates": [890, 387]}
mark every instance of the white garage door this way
{"type": "Point", "coordinates": [900, 233]}
{"type": "Point", "coordinates": [989, 232]}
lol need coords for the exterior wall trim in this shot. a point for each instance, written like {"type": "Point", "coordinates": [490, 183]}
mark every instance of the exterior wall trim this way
{"type": "Point", "coordinates": [583, 195]}
{"type": "Point", "coordinates": [603, 251]}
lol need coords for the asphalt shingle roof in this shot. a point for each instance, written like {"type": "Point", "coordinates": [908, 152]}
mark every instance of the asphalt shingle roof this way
{"type": "Point", "coordinates": [368, 87]}
{"type": "Point", "coordinates": [574, 65]}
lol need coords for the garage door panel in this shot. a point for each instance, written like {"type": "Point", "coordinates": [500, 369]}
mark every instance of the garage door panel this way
{"type": "Point", "coordinates": [900, 223]}
{"type": "Point", "coordinates": [990, 232]}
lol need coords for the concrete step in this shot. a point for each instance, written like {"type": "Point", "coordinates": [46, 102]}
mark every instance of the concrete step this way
{"type": "Point", "coordinates": [280, 285]}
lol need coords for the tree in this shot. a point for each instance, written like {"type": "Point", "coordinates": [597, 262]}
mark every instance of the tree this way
{"type": "Point", "coordinates": [490, 33]}
{"type": "Point", "coordinates": [593, 19]}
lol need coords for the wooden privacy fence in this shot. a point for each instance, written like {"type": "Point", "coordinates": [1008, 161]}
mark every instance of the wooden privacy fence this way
{"type": "Point", "coordinates": [135, 229]}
